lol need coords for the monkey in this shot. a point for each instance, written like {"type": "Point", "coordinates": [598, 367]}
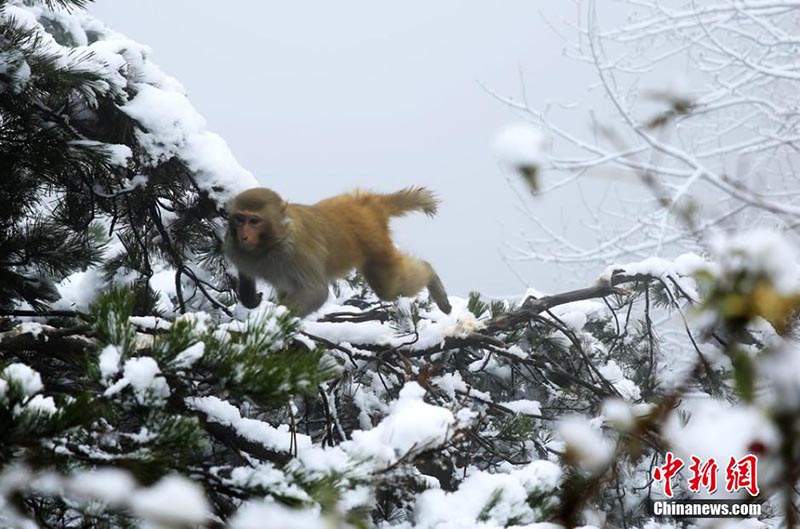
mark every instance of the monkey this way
{"type": "Point", "coordinates": [299, 249]}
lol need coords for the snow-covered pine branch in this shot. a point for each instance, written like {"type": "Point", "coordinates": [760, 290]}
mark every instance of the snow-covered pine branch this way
{"type": "Point", "coordinates": [401, 415]}
{"type": "Point", "coordinates": [118, 166]}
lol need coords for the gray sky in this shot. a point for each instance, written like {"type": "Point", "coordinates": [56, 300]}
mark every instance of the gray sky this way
{"type": "Point", "coordinates": [318, 98]}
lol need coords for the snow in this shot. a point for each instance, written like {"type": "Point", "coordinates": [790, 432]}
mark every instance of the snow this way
{"type": "Point", "coordinates": [172, 127]}
{"type": "Point", "coordinates": [79, 290]}
{"type": "Point", "coordinates": [142, 436]}
{"type": "Point", "coordinates": [360, 496]}
{"type": "Point", "coordinates": [573, 319]}
{"type": "Point", "coordinates": [31, 327]}
{"type": "Point", "coordinates": [689, 263]}
{"type": "Point", "coordinates": [585, 447]}
{"type": "Point", "coordinates": [761, 253]}
{"type": "Point", "coordinates": [431, 331]}
{"type": "Point", "coordinates": [412, 425]}
{"type": "Point", "coordinates": [254, 515]}
{"type": "Point", "coordinates": [126, 63]}
{"type": "Point", "coordinates": [47, 481]}
{"type": "Point", "coordinates": [319, 463]}
{"type": "Point", "coordinates": [517, 351]}
{"type": "Point", "coordinates": [368, 403]}
{"type": "Point", "coordinates": [116, 154]}
{"type": "Point", "coordinates": [520, 145]}
{"type": "Point", "coordinates": [781, 374]}
{"type": "Point", "coordinates": [138, 181]}
{"type": "Point", "coordinates": [41, 404]}
{"type": "Point", "coordinates": [167, 116]}
{"type": "Point", "coordinates": [577, 313]}
{"type": "Point", "coordinates": [14, 67]}
{"type": "Point", "coordinates": [150, 322]}
{"type": "Point", "coordinates": [678, 270]}
{"type": "Point", "coordinates": [626, 387]}
{"type": "Point", "coordinates": [190, 355]}
{"type": "Point", "coordinates": [163, 284]}
{"type": "Point", "coordinates": [29, 381]}
{"type": "Point", "coordinates": [463, 508]}
{"type": "Point", "coordinates": [523, 407]}
{"type": "Point", "coordinates": [465, 325]}
{"type": "Point", "coordinates": [217, 410]}
{"type": "Point", "coordinates": [200, 321]}
{"type": "Point", "coordinates": [494, 499]}
{"type": "Point", "coordinates": [266, 476]}
{"type": "Point", "coordinates": [141, 373]}
{"type": "Point", "coordinates": [450, 383]}
{"type": "Point", "coordinates": [619, 414]}
{"type": "Point", "coordinates": [110, 485]}
{"type": "Point", "coordinates": [110, 358]}
{"type": "Point", "coordinates": [172, 501]}
{"type": "Point", "coordinates": [362, 332]}
{"type": "Point", "coordinates": [25, 17]}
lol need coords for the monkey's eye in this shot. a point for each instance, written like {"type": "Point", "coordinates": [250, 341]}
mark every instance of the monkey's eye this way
{"type": "Point", "coordinates": [239, 219]}
{"type": "Point", "coordinates": [254, 221]}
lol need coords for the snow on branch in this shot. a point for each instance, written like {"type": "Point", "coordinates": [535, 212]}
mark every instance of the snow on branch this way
{"type": "Point", "coordinates": [699, 108]}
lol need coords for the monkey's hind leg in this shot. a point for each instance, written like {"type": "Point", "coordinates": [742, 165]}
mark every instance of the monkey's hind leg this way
{"type": "Point", "coordinates": [402, 275]}
{"type": "Point", "coordinates": [303, 301]}
{"type": "Point", "coordinates": [438, 293]}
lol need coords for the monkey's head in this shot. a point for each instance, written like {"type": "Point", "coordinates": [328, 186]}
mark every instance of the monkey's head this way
{"type": "Point", "coordinates": [257, 219]}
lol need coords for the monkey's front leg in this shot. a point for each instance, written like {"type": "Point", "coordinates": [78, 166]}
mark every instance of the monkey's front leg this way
{"type": "Point", "coordinates": [306, 299]}
{"type": "Point", "coordinates": [248, 295]}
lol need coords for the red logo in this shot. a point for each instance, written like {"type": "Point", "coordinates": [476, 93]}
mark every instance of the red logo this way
{"type": "Point", "coordinates": [739, 474]}
{"type": "Point", "coordinates": [671, 467]}
{"type": "Point", "coordinates": [704, 475]}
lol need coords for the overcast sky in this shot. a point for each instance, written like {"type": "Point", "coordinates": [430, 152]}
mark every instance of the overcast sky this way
{"type": "Point", "coordinates": [318, 98]}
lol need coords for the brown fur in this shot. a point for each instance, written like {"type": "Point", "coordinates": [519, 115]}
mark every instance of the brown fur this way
{"type": "Point", "coordinates": [299, 249]}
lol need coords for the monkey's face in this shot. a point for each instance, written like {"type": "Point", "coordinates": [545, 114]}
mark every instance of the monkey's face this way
{"type": "Point", "coordinates": [248, 228]}
{"type": "Point", "coordinates": [258, 220]}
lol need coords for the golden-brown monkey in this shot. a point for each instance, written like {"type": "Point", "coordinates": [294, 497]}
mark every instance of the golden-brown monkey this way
{"type": "Point", "coordinates": [300, 249]}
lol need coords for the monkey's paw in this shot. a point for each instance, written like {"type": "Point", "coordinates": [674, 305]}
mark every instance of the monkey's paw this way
{"type": "Point", "coordinates": [252, 301]}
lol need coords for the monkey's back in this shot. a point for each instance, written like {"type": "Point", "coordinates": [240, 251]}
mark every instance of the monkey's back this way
{"type": "Point", "coordinates": [354, 230]}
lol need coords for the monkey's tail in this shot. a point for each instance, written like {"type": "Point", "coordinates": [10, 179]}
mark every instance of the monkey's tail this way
{"type": "Point", "coordinates": [409, 199]}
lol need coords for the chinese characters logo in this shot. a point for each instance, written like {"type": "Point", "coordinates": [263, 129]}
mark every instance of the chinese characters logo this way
{"type": "Point", "coordinates": [740, 474]}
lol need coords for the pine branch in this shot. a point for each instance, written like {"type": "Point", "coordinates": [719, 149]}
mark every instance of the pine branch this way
{"type": "Point", "coordinates": [49, 313]}
{"type": "Point", "coordinates": [67, 4]}
{"type": "Point", "coordinates": [64, 343]}
{"type": "Point", "coordinates": [533, 306]}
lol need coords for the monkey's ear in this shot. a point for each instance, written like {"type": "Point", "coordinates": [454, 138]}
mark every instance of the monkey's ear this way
{"type": "Point", "coordinates": [284, 209]}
